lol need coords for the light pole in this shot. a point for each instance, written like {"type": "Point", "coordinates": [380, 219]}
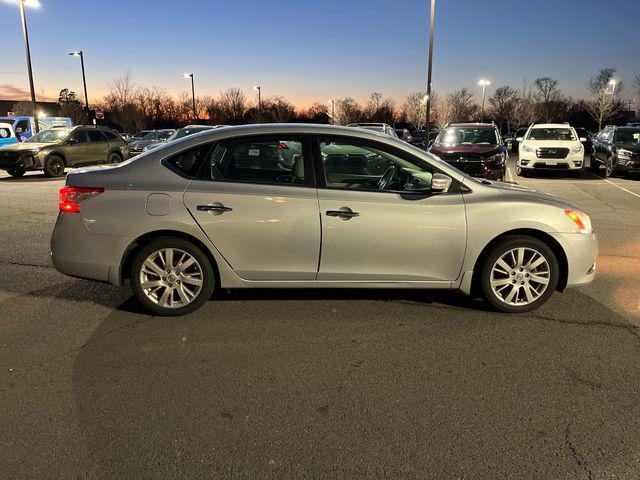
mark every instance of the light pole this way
{"type": "Point", "coordinates": [259, 89]}
{"type": "Point", "coordinates": [25, 33]}
{"type": "Point", "coordinates": [613, 82]}
{"type": "Point", "coordinates": [431, 27]}
{"type": "Point", "coordinates": [333, 109]}
{"type": "Point", "coordinates": [84, 78]}
{"type": "Point", "coordinates": [193, 94]}
{"type": "Point", "coordinates": [483, 83]}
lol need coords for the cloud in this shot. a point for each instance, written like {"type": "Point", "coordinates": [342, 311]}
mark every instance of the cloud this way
{"type": "Point", "coordinates": [11, 92]}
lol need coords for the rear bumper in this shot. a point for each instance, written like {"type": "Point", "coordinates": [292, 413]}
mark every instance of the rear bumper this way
{"type": "Point", "coordinates": [77, 252]}
{"type": "Point", "coordinates": [581, 251]}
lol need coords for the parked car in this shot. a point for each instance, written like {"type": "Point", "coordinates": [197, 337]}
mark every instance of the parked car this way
{"type": "Point", "coordinates": [475, 148]}
{"type": "Point", "coordinates": [7, 135]}
{"type": "Point", "coordinates": [181, 133]}
{"type": "Point", "coordinates": [403, 134]}
{"type": "Point", "coordinates": [515, 139]}
{"type": "Point", "coordinates": [356, 209]}
{"type": "Point", "coordinates": [25, 127]}
{"type": "Point", "coordinates": [155, 136]}
{"type": "Point", "coordinates": [585, 138]}
{"type": "Point", "coordinates": [550, 146]}
{"type": "Point", "coordinates": [55, 149]}
{"type": "Point", "coordinates": [139, 136]}
{"type": "Point", "coordinates": [376, 127]}
{"type": "Point", "coordinates": [617, 149]}
{"type": "Point", "coordinates": [417, 137]}
{"type": "Point", "coordinates": [633, 124]}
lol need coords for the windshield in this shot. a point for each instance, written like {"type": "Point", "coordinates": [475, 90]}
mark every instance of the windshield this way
{"type": "Point", "coordinates": [559, 134]}
{"type": "Point", "coordinates": [49, 136]}
{"type": "Point", "coordinates": [142, 134]}
{"type": "Point", "coordinates": [454, 136]}
{"type": "Point", "coordinates": [163, 135]}
{"type": "Point", "coordinates": [627, 135]}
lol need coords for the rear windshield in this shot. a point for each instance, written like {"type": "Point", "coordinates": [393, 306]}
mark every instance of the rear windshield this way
{"type": "Point", "coordinates": [560, 134]}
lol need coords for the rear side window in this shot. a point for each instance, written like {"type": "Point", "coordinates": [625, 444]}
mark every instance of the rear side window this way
{"type": "Point", "coordinates": [96, 136]}
{"type": "Point", "coordinates": [266, 160]}
{"type": "Point", "coordinates": [187, 163]}
{"type": "Point", "coordinates": [5, 132]}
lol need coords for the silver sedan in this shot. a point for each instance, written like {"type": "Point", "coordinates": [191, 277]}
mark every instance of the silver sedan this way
{"type": "Point", "coordinates": [310, 206]}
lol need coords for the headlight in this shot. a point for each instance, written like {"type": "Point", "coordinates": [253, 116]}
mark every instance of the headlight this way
{"type": "Point", "coordinates": [34, 151]}
{"type": "Point", "coordinates": [624, 153]}
{"type": "Point", "coordinates": [578, 149]}
{"type": "Point", "coordinates": [145, 148]}
{"type": "Point", "coordinates": [498, 157]}
{"type": "Point", "coordinates": [581, 219]}
{"type": "Point", "coordinates": [526, 148]}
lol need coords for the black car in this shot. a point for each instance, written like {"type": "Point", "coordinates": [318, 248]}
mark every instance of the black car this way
{"type": "Point", "coordinates": [617, 149]}
{"type": "Point", "coordinates": [519, 133]}
{"type": "Point", "coordinates": [474, 148]}
{"type": "Point", "coordinates": [585, 138]}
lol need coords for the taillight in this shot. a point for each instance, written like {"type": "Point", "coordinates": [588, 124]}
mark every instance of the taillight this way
{"type": "Point", "coordinates": [283, 146]}
{"type": "Point", "coordinates": [71, 197]}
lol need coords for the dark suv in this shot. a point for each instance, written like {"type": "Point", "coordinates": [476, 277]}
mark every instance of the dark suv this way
{"type": "Point", "coordinates": [474, 148]}
{"type": "Point", "coordinates": [617, 149]}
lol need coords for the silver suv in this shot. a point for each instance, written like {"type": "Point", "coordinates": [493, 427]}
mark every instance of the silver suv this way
{"type": "Point", "coordinates": [350, 208]}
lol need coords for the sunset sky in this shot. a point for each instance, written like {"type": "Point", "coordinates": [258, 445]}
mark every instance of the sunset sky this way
{"type": "Point", "coordinates": [315, 50]}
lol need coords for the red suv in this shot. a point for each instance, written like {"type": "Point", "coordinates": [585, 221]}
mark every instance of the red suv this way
{"type": "Point", "coordinates": [475, 148]}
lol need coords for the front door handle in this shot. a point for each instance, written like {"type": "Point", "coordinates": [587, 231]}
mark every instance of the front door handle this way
{"type": "Point", "coordinates": [344, 213]}
{"type": "Point", "coordinates": [215, 208]}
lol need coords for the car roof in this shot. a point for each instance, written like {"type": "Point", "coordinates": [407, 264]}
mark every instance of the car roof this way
{"type": "Point", "coordinates": [472, 124]}
{"type": "Point", "coordinates": [551, 125]}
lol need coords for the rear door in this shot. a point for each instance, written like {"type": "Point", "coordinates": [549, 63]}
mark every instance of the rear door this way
{"type": "Point", "coordinates": [98, 146]}
{"type": "Point", "coordinates": [394, 232]}
{"type": "Point", "coordinates": [259, 207]}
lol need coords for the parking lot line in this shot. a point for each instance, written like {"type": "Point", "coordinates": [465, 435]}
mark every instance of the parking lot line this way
{"type": "Point", "coordinates": [621, 188]}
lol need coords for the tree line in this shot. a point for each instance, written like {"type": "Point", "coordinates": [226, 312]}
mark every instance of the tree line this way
{"type": "Point", "coordinates": [130, 107]}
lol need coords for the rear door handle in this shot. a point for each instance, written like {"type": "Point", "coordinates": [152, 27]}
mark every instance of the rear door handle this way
{"type": "Point", "coordinates": [219, 208]}
{"type": "Point", "coordinates": [346, 213]}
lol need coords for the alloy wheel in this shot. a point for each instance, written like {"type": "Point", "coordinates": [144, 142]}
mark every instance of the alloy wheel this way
{"type": "Point", "coordinates": [171, 278]}
{"type": "Point", "coordinates": [520, 276]}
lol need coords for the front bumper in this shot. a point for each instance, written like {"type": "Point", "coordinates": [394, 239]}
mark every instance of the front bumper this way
{"type": "Point", "coordinates": [19, 161]}
{"type": "Point", "coordinates": [491, 170]}
{"type": "Point", "coordinates": [581, 251]}
{"type": "Point", "coordinates": [529, 161]}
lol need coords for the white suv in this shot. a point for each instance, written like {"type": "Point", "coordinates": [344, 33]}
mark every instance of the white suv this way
{"type": "Point", "coordinates": [550, 146]}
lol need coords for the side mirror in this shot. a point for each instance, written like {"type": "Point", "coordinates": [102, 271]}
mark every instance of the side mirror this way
{"type": "Point", "coordinates": [72, 141]}
{"type": "Point", "coordinates": [519, 139]}
{"type": "Point", "coordinates": [440, 183]}
{"type": "Point", "coordinates": [583, 139]}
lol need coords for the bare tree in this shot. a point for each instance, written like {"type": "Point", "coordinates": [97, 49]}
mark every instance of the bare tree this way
{"type": "Point", "coordinates": [379, 109]}
{"type": "Point", "coordinates": [414, 110]}
{"type": "Point", "coordinates": [276, 110]}
{"type": "Point", "coordinates": [22, 108]}
{"type": "Point", "coordinates": [233, 106]}
{"type": "Point", "coordinates": [120, 100]}
{"type": "Point", "coordinates": [319, 113]}
{"type": "Point", "coordinates": [70, 106]}
{"type": "Point", "coordinates": [460, 106]}
{"type": "Point", "coordinates": [526, 108]}
{"type": "Point", "coordinates": [547, 95]}
{"type": "Point", "coordinates": [347, 111]}
{"type": "Point", "coordinates": [636, 88]}
{"type": "Point", "coordinates": [504, 103]}
{"type": "Point", "coordinates": [602, 104]}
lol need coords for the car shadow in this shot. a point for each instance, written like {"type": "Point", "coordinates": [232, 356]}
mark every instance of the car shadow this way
{"type": "Point", "coordinates": [40, 178]}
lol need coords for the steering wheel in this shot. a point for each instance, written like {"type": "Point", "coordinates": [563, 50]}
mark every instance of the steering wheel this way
{"type": "Point", "coordinates": [387, 177]}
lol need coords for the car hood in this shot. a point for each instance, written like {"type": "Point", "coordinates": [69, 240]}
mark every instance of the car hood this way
{"type": "Point", "coordinates": [634, 146]}
{"type": "Point", "coordinates": [25, 147]}
{"type": "Point", "coordinates": [552, 143]}
{"type": "Point", "coordinates": [466, 149]}
{"type": "Point", "coordinates": [526, 193]}
{"type": "Point", "coordinates": [142, 143]}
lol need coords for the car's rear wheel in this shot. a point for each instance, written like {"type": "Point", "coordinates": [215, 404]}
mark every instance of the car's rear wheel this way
{"type": "Point", "coordinates": [519, 274]}
{"type": "Point", "coordinates": [172, 276]}
{"type": "Point", "coordinates": [114, 157]}
{"type": "Point", "coordinates": [54, 166]}
{"type": "Point", "coordinates": [17, 172]}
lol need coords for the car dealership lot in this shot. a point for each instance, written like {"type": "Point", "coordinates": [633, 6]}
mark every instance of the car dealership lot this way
{"type": "Point", "coordinates": [322, 384]}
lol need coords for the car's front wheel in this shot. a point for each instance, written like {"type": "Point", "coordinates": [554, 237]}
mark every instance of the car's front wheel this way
{"type": "Point", "coordinates": [519, 274]}
{"type": "Point", "coordinates": [17, 172]}
{"type": "Point", "coordinates": [172, 276]}
{"type": "Point", "coordinates": [114, 157]}
{"type": "Point", "coordinates": [54, 166]}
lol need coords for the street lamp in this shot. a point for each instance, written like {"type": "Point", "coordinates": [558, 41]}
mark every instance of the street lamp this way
{"type": "Point", "coordinates": [31, 4]}
{"type": "Point", "coordinates": [483, 83]}
{"type": "Point", "coordinates": [193, 94]}
{"type": "Point", "coordinates": [431, 28]}
{"type": "Point", "coordinates": [84, 78]}
{"type": "Point", "coordinates": [259, 89]}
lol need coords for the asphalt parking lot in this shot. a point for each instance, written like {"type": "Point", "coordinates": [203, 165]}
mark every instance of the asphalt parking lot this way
{"type": "Point", "coordinates": [319, 384]}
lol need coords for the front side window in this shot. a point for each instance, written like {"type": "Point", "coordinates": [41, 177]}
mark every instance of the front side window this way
{"type": "Point", "coordinates": [455, 136]}
{"type": "Point", "coordinates": [364, 166]}
{"type": "Point", "coordinates": [554, 134]}
{"type": "Point", "coordinates": [266, 160]}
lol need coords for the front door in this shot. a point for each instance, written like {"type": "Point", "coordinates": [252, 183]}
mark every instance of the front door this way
{"type": "Point", "coordinates": [255, 199]}
{"type": "Point", "coordinates": [380, 220]}
{"type": "Point", "coordinates": [76, 148]}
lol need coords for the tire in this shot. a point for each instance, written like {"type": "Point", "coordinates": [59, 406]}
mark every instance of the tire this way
{"type": "Point", "coordinates": [577, 173]}
{"type": "Point", "coordinates": [609, 168]}
{"type": "Point", "coordinates": [522, 172]}
{"type": "Point", "coordinates": [498, 296]}
{"type": "Point", "coordinates": [594, 165]}
{"type": "Point", "coordinates": [167, 292]}
{"type": "Point", "coordinates": [114, 157]}
{"type": "Point", "coordinates": [54, 166]}
{"type": "Point", "coordinates": [17, 173]}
